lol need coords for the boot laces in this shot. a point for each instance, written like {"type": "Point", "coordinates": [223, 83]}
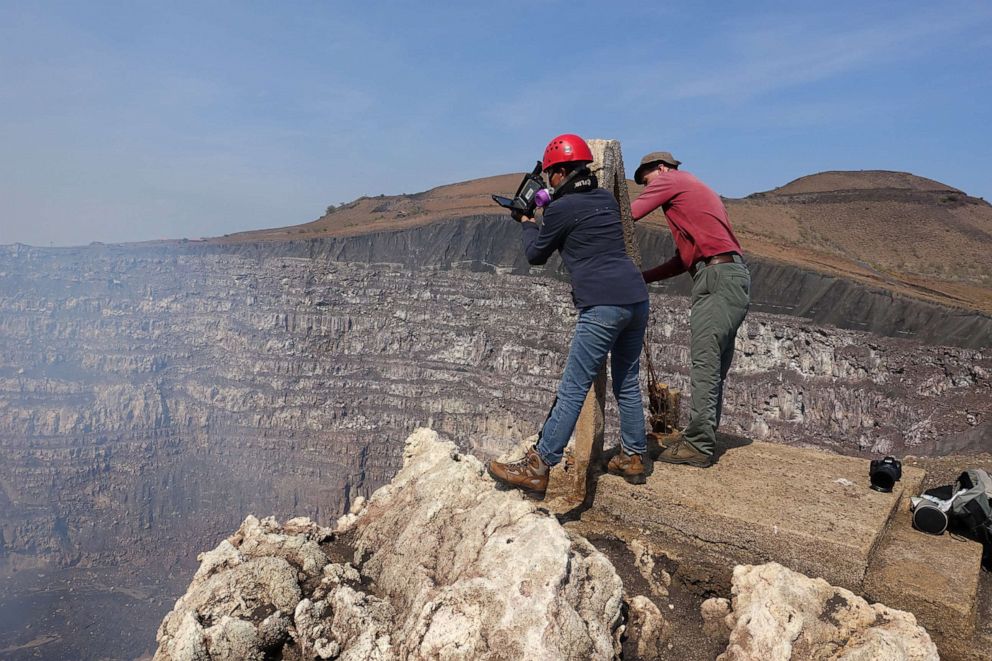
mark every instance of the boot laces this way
{"type": "Point", "coordinates": [520, 465]}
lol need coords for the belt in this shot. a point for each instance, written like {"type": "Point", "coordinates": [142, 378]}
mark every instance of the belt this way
{"type": "Point", "coordinates": [724, 258]}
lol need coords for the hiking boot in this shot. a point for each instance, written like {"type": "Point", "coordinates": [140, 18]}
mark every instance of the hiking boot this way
{"type": "Point", "coordinates": [682, 452]}
{"type": "Point", "coordinates": [657, 442]}
{"type": "Point", "coordinates": [529, 473]}
{"type": "Point", "coordinates": [628, 466]}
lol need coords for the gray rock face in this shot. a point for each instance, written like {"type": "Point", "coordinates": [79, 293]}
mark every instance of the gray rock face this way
{"type": "Point", "coordinates": [197, 389]}
{"type": "Point", "coordinates": [151, 397]}
{"type": "Point", "coordinates": [851, 392]}
{"type": "Point", "coordinates": [460, 571]}
{"type": "Point", "coordinates": [491, 243]}
{"type": "Point", "coordinates": [780, 615]}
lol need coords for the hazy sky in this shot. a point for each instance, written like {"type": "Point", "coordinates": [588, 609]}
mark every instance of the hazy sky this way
{"type": "Point", "coordinates": [142, 120]}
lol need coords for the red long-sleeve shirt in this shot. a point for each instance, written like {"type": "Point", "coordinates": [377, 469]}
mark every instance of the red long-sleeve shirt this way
{"type": "Point", "coordinates": [696, 216]}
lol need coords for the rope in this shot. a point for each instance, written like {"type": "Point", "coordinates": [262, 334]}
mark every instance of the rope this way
{"type": "Point", "coordinates": [655, 405]}
{"type": "Point", "coordinates": [648, 341]}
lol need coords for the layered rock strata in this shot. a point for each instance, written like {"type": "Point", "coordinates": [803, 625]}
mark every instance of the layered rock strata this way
{"type": "Point", "coordinates": [141, 395]}
{"type": "Point", "coordinates": [150, 398]}
{"type": "Point", "coordinates": [491, 243]}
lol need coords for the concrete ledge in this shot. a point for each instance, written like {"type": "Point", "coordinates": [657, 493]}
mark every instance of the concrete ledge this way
{"type": "Point", "coordinates": [810, 511]}
{"type": "Point", "coordinates": [935, 577]}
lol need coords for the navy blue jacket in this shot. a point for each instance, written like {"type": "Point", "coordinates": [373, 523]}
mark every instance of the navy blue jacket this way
{"type": "Point", "coordinates": [586, 229]}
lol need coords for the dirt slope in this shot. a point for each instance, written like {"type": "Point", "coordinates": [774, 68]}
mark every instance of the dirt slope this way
{"type": "Point", "coordinates": [907, 234]}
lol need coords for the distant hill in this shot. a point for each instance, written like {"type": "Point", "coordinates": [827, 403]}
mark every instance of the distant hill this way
{"type": "Point", "coordinates": [905, 233]}
{"type": "Point", "coordinates": [840, 180]}
{"type": "Point", "coordinates": [894, 230]}
{"type": "Point", "coordinates": [386, 212]}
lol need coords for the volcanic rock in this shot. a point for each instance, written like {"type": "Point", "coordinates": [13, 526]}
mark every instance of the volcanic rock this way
{"type": "Point", "coordinates": [780, 615]}
{"type": "Point", "coordinates": [718, 619]}
{"type": "Point", "coordinates": [153, 395]}
{"type": "Point", "coordinates": [647, 629]}
{"type": "Point", "coordinates": [445, 566]}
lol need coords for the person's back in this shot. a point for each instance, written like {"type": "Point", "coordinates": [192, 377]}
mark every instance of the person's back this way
{"type": "Point", "coordinates": [586, 228]}
{"type": "Point", "coordinates": [583, 223]}
{"type": "Point", "coordinates": [721, 291]}
{"type": "Point", "coordinates": [696, 215]}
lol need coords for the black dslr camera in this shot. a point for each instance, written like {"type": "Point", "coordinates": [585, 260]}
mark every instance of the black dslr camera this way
{"type": "Point", "coordinates": [884, 473]}
{"type": "Point", "coordinates": [531, 194]}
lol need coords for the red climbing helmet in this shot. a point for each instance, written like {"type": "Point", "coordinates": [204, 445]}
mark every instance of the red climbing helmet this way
{"type": "Point", "coordinates": [566, 148]}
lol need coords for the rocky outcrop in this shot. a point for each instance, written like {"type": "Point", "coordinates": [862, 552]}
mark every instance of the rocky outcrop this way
{"type": "Point", "coordinates": [441, 564]}
{"type": "Point", "coordinates": [779, 615]}
{"type": "Point", "coordinates": [444, 566]}
{"type": "Point", "coordinates": [647, 630]}
{"type": "Point", "coordinates": [878, 396]}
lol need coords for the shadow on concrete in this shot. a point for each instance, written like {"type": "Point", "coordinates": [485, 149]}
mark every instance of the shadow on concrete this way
{"type": "Point", "coordinates": [726, 442]}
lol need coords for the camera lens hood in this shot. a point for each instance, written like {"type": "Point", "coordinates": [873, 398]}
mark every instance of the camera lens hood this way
{"type": "Point", "coordinates": [929, 518]}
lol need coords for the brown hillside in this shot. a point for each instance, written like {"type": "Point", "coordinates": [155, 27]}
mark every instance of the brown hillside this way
{"type": "Point", "coordinates": [391, 212]}
{"type": "Point", "coordinates": [836, 180]}
{"type": "Point", "coordinates": [894, 230]}
{"type": "Point", "coordinates": [905, 233]}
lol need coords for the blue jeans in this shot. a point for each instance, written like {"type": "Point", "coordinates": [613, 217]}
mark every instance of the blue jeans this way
{"type": "Point", "coordinates": [602, 329]}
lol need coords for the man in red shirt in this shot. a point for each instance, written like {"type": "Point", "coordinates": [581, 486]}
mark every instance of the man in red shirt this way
{"type": "Point", "coordinates": [709, 251]}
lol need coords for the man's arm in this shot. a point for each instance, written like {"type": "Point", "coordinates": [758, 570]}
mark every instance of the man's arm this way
{"type": "Point", "coordinates": [660, 191]}
{"type": "Point", "coordinates": [541, 243]}
{"type": "Point", "coordinates": [671, 268]}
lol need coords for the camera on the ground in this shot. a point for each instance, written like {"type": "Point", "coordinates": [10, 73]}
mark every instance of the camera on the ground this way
{"type": "Point", "coordinates": [884, 473]}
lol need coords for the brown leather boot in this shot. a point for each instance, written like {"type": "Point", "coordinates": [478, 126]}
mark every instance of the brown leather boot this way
{"type": "Point", "coordinates": [628, 466]}
{"type": "Point", "coordinates": [529, 473]}
{"type": "Point", "coordinates": [682, 452]}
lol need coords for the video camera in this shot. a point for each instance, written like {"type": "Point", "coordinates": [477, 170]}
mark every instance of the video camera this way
{"type": "Point", "coordinates": [531, 193]}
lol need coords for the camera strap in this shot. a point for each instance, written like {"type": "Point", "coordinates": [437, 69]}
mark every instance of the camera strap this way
{"type": "Point", "coordinates": [580, 180]}
{"type": "Point", "coordinates": [942, 505]}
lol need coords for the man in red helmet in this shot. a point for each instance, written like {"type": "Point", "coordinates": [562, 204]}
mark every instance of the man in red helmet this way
{"type": "Point", "coordinates": [582, 222]}
{"type": "Point", "coordinates": [709, 251]}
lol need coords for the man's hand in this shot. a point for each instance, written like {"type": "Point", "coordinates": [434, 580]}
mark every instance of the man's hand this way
{"type": "Point", "coordinates": [521, 217]}
{"type": "Point", "coordinates": [669, 269]}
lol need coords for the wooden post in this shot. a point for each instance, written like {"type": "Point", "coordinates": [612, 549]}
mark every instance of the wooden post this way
{"type": "Point", "coordinates": [663, 408]}
{"type": "Point", "coordinates": [569, 480]}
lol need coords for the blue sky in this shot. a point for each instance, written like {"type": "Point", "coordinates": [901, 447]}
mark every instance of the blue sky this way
{"type": "Point", "coordinates": [139, 120]}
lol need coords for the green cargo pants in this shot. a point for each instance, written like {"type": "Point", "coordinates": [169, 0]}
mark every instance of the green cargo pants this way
{"type": "Point", "coordinates": [721, 295]}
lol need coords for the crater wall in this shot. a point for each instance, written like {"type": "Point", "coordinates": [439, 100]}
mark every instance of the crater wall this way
{"type": "Point", "coordinates": [490, 242]}
{"type": "Point", "coordinates": [151, 397]}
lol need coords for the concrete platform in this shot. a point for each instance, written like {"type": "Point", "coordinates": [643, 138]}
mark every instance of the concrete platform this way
{"type": "Point", "coordinates": [812, 512]}
{"type": "Point", "coordinates": [937, 578]}
{"type": "Point", "coordinates": [808, 510]}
